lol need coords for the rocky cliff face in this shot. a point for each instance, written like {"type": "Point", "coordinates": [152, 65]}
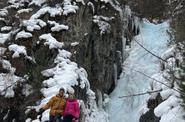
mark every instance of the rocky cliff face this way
{"type": "Point", "coordinates": [100, 51]}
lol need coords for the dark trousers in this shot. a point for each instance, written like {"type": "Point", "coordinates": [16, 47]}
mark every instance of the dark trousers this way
{"type": "Point", "coordinates": [68, 118]}
{"type": "Point", "coordinates": [55, 119]}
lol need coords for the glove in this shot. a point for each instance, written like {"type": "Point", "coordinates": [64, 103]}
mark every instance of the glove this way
{"type": "Point", "coordinates": [41, 110]}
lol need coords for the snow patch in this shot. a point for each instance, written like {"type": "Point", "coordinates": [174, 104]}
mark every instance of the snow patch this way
{"type": "Point", "coordinates": [69, 7]}
{"type": "Point", "coordinates": [92, 6]}
{"type": "Point", "coordinates": [51, 41]}
{"type": "Point", "coordinates": [23, 34]}
{"type": "Point", "coordinates": [102, 23]}
{"type": "Point", "coordinates": [81, 1]}
{"type": "Point", "coordinates": [6, 28]}
{"type": "Point", "coordinates": [8, 81]}
{"type": "Point", "coordinates": [74, 43]}
{"type": "Point", "coordinates": [17, 50]}
{"type": "Point", "coordinates": [57, 27]}
{"type": "Point", "coordinates": [37, 2]}
{"type": "Point", "coordinates": [165, 106]}
{"type": "Point", "coordinates": [53, 11]}
{"type": "Point", "coordinates": [34, 24]}
{"type": "Point", "coordinates": [24, 10]}
{"type": "Point", "coordinates": [106, 1]}
{"type": "Point", "coordinates": [4, 37]}
{"type": "Point", "coordinates": [3, 12]}
{"type": "Point", "coordinates": [6, 65]}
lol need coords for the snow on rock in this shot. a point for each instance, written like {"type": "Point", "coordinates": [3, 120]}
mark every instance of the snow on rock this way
{"type": "Point", "coordinates": [28, 120]}
{"type": "Point", "coordinates": [106, 1]}
{"type": "Point", "coordinates": [37, 2]}
{"type": "Point", "coordinates": [69, 8]}
{"type": "Point", "coordinates": [92, 6]}
{"type": "Point", "coordinates": [74, 43]}
{"type": "Point", "coordinates": [57, 27]}
{"type": "Point", "coordinates": [174, 115]}
{"type": "Point", "coordinates": [6, 28]}
{"type": "Point", "coordinates": [24, 10]}
{"type": "Point", "coordinates": [34, 24]}
{"type": "Point", "coordinates": [4, 37]}
{"type": "Point", "coordinates": [166, 93]}
{"type": "Point", "coordinates": [144, 109]}
{"type": "Point", "coordinates": [103, 18]}
{"type": "Point", "coordinates": [16, 3]}
{"type": "Point", "coordinates": [81, 1]}
{"type": "Point", "coordinates": [2, 19]}
{"type": "Point", "coordinates": [165, 106]}
{"type": "Point", "coordinates": [8, 81]}
{"type": "Point", "coordinates": [65, 73]}
{"type": "Point", "coordinates": [3, 12]}
{"type": "Point", "coordinates": [170, 109]}
{"type": "Point", "coordinates": [17, 50]}
{"type": "Point", "coordinates": [51, 41]}
{"type": "Point", "coordinates": [27, 90]}
{"type": "Point", "coordinates": [23, 34]}
{"type": "Point", "coordinates": [53, 11]}
{"type": "Point", "coordinates": [102, 23]}
{"type": "Point", "coordinates": [6, 64]}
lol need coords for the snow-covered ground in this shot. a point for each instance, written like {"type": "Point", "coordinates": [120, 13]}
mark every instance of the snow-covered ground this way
{"type": "Point", "coordinates": [127, 109]}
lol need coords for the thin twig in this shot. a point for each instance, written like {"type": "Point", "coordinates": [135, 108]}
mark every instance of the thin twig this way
{"type": "Point", "coordinates": [138, 94]}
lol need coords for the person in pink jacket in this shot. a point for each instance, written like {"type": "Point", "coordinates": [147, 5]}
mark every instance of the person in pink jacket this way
{"type": "Point", "coordinates": [72, 109]}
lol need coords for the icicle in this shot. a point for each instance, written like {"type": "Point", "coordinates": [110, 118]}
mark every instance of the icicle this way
{"type": "Point", "coordinates": [135, 25]}
{"type": "Point", "coordinates": [100, 99]}
{"type": "Point", "coordinates": [115, 74]}
{"type": "Point", "coordinates": [123, 47]}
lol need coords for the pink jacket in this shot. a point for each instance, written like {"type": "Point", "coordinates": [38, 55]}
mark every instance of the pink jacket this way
{"type": "Point", "coordinates": [72, 108]}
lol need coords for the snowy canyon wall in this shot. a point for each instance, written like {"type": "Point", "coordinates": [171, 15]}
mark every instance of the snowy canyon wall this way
{"type": "Point", "coordinates": [91, 30]}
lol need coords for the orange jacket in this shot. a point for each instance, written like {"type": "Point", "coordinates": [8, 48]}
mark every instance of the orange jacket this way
{"type": "Point", "coordinates": [57, 105]}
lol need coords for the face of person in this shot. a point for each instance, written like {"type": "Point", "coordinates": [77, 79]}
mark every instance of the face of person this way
{"type": "Point", "coordinates": [61, 93]}
{"type": "Point", "coordinates": [71, 96]}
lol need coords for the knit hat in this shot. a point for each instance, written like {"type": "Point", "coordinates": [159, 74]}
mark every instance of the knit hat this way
{"type": "Point", "coordinates": [61, 89]}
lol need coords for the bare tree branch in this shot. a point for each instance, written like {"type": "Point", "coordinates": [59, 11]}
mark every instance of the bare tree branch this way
{"type": "Point", "coordinates": [138, 94]}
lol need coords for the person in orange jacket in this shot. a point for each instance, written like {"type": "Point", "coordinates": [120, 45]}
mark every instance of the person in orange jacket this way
{"type": "Point", "coordinates": [57, 105]}
{"type": "Point", "coordinates": [72, 109]}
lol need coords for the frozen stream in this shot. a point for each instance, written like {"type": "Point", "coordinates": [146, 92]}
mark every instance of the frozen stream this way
{"type": "Point", "coordinates": [154, 38]}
